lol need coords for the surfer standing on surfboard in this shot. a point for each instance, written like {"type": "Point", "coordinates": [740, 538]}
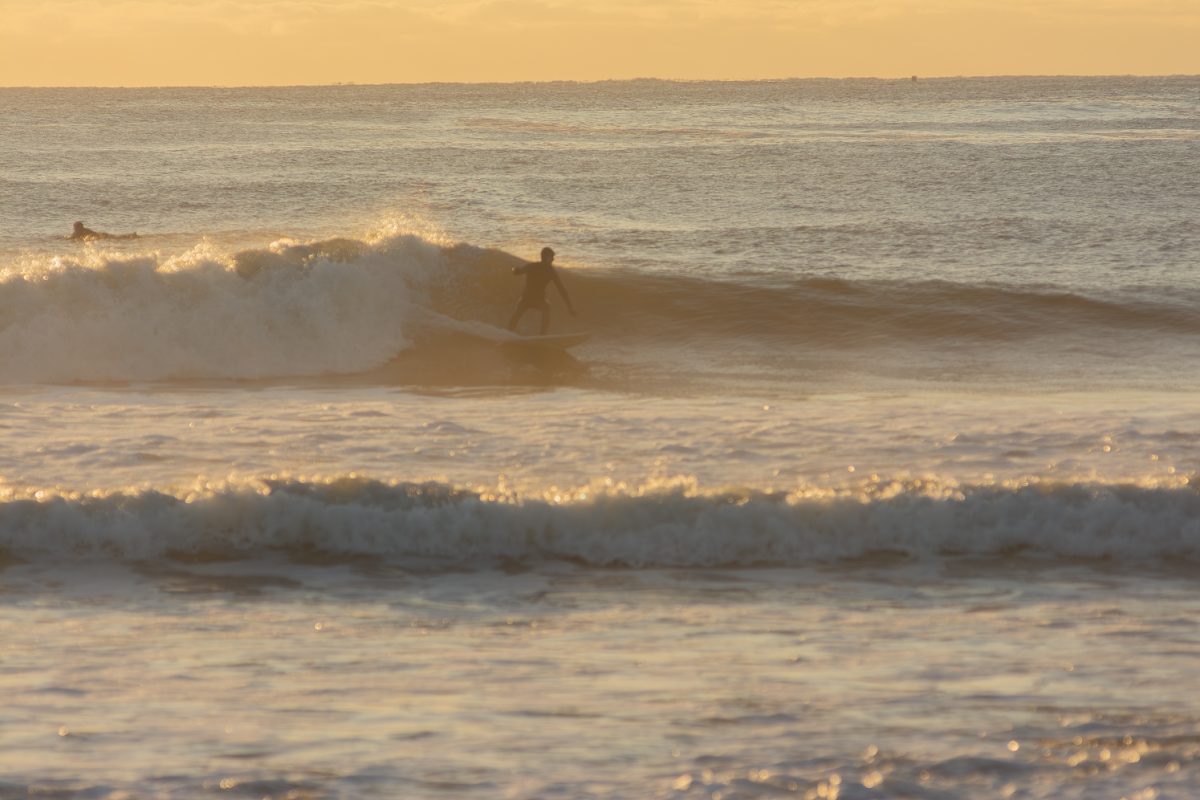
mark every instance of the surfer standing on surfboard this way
{"type": "Point", "coordinates": [538, 274]}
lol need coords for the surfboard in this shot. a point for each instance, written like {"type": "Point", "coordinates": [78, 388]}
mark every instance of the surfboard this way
{"type": "Point", "coordinates": [554, 341]}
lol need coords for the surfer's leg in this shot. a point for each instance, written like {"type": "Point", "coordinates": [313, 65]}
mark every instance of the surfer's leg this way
{"type": "Point", "coordinates": [518, 312]}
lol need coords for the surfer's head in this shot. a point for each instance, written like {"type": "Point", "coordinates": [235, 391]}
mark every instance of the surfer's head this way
{"type": "Point", "coordinates": [547, 255]}
{"type": "Point", "coordinates": [79, 227]}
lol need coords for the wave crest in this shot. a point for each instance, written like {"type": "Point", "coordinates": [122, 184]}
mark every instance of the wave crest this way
{"type": "Point", "coordinates": [343, 306]}
{"type": "Point", "coordinates": [331, 307]}
{"type": "Point", "coordinates": [666, 524]}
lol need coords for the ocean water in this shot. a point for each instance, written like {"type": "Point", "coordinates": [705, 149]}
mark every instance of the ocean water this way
{"type": "Point", "coordinates": [877, 478]}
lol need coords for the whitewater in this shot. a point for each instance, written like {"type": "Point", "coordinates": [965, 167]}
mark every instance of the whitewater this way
{"type": "Point", "coordinates": [877, 477]}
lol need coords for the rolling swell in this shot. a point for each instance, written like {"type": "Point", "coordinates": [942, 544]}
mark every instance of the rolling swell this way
{"type": "Point", "coordinates": [664, 524]}
{"type": "Point", "coordinates": [811, 311]}
{"type": "Point", "coordinates": [841, 313]}
{"type": "Point", "coordinates": [343, 306]}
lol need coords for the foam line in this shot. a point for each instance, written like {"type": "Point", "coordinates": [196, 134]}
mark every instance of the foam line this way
{"type": "Point", "coordinates": [668, 524]}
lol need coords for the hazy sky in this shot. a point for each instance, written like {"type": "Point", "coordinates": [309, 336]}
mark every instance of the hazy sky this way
{"type": "Point", "coordinates": [239, 42]}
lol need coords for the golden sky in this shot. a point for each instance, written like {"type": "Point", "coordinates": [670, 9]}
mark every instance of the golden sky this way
{"type": "Point", "coordinates": [271, 42]}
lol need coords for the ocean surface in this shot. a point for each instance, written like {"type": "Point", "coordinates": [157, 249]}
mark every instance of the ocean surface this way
{"type": "Point", "coordinates": [878, 477]}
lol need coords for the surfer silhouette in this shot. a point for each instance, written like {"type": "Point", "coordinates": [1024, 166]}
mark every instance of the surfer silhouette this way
{"type": "Point", "coordinates": [81, 233]}
{"type": "Point", "coordinates": [538, 275]}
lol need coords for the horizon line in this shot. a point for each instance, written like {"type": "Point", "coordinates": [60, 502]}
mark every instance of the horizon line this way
{"type": "Point", "coordinates": [645, 79]}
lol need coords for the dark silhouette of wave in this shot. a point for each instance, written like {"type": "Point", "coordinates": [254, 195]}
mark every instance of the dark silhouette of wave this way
{"type": "Point", "coordinates": [349, 307]}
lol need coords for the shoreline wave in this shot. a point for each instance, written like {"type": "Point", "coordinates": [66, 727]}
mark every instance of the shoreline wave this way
{"type": "Point", "coordinates": [657, 525]}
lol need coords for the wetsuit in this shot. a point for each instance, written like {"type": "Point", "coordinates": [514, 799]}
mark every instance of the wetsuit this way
{"type": "Point", "coordinates": [538, 275]}
{"type": "Point", "coordinates": [82, 234]}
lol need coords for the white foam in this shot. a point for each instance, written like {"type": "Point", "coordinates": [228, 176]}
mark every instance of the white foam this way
{"type": "Point", "coordinates": [305, 310]}
{"type": "Point", "coordinates": [668, 524]}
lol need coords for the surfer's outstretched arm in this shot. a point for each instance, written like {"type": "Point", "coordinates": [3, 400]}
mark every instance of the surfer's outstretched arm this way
{"type": "Point", "coordinates": [563, 291]}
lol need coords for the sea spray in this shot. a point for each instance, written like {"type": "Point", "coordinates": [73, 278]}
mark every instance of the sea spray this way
{"type": "Point", "coordinates": [284, 311]}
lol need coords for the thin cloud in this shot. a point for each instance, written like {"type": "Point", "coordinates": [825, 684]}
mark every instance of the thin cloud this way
{"type": "Point", "coordinates": [266, 16]}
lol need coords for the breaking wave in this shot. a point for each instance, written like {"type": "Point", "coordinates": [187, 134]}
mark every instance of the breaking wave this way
{"type": "Point", "coordinates": [664, 524]}
{"type": "Point", "coordinates": [344, 306]}
{"type": "Point", "coordinates": [330, 307]}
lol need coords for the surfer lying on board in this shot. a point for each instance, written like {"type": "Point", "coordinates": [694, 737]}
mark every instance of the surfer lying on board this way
{"type": "Point", "coordinates": [85, 234]}
{"type": "Point", "coordinates": [537, 275]}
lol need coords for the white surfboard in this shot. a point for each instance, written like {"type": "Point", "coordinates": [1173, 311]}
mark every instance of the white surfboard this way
{"type": "Point", "coordinates": [554, 341]}
{"type": "Point", "coordinates": [490, 333]}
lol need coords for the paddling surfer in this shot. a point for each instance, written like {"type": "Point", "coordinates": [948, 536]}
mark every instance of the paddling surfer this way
{"type": "Point", "coordinates": [81, 233]}
{"type": "Point", "coordinates": [538, 275]}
